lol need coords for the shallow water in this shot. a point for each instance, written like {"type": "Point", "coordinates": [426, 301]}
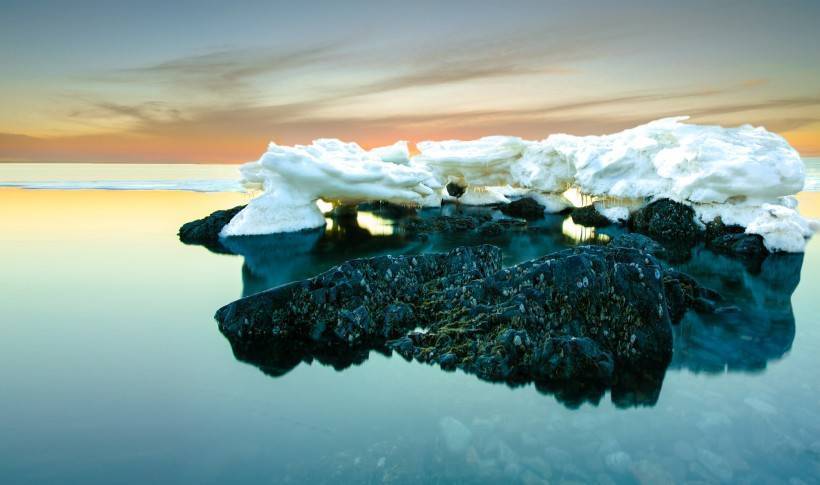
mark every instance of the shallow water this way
{"type": "Point", "coordinates": [113, 370]}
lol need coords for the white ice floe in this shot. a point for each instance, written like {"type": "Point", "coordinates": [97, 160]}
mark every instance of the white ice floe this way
{"type": "Point", "coordinates": [478, 195]}
{"type": "Point", "coordinates": [478, 163]}
{"type": "Point", "coordinates": [294, 178]}
{"type": "Point", "coordinates": [741, 174]}
{"type": "Point", "coordinates": [696, 163]}
{"type": "Point", "coordinates": [664, 158]}
{"type": "Point", "coordinates": [543, 167]}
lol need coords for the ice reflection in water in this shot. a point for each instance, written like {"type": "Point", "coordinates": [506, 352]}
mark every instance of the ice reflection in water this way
{"type": "Point", "coordinates": [581, 234]}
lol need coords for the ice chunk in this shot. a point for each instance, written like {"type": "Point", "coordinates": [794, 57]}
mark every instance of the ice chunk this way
{"type": "Point", "coordinates": [741, 174]}
{"type": "Point", "coordinates": [395, 153]}
{"type": "Point", "coordinates": [483, 196]}
{"type": "Point", "coordinates": [293, 178]}
{"type": "Point", "coordinates": [698, 163]}
{"type": "Point", "coordinates": [483, 163]}
{"type": "Point", "coordinates": [543, 167]}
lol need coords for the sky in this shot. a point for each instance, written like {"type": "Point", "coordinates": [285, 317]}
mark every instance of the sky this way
{"type": "Point", "coordinates": [214, 82]}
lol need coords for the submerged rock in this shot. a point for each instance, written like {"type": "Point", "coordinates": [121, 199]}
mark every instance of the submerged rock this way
{"type": "Point", "coordinates": [589, 216]}
{"type": "Point", "coordinates": [526, 208]}
{"type": "Point", "coordinates": [205, 231]}
{"type": "Point", "coordinates": [732, 239]}
{"type": "Point", "coordinates": [581, 318]}
{"type": "Point", "coordinates": [749, 245]}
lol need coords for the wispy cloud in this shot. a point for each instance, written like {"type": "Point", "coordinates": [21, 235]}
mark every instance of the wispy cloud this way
{"type": "Point", "coordinates": [795, 102]}
{"type": "Point", "coordinates": [227, 70]}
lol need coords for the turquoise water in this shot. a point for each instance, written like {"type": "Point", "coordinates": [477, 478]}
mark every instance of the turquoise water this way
{"type": "Point", "coordinates": [113, 370]}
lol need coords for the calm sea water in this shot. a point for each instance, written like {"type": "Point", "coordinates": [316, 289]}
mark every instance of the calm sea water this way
{"type": "Point", "coordinates": [112, 369]}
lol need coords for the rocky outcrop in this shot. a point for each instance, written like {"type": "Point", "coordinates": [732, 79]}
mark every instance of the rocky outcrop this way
{"type": "Point", "coordinates": [581, 317]}
{"type": "Point", "coordinates": [525, 208]}
{"type": "Point", "coordinates": [674, 224]}
{"type": "Point", "coordinates": [205, 231]}
{"type": "Point", "coordinates": [641, 242]}
{"type": "Point", "coordinates": [666, 221]}
{"type": "Point", "coordinates": [732, 239]}
{"type": "Point", "coordinates": [589, 216]}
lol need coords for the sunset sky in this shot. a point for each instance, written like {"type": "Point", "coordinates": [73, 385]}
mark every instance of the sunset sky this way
{"type": "Point", "coordinates": [215, 81]}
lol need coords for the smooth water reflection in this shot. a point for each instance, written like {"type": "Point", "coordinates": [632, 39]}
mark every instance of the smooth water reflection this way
{"type": "Point", "coordinates": [113, 370]}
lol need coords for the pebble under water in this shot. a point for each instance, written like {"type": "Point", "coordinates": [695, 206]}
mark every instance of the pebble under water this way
{"type": "Point", "coordinates": [114, 370]}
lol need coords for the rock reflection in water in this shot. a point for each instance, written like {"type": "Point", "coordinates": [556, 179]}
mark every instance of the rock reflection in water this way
{"type": "Point", "coordinates": [275, 259]}
{"type": "Point", "coordinates": [762, 327]}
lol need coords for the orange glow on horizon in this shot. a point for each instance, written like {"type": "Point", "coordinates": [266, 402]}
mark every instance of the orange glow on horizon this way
{"type": "Point", "coordinates": [189, 148]}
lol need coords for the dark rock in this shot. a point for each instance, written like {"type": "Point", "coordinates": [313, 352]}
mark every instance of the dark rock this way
{"type": "Point", "coordinates": [205, 231]}
{"type": "Point", "coordinates": [403, 346]}
{"type": "Point", "coordinates": [667, 221]}
{"type": "Point", "coordinates": [396, 317]}
{"type": "Point", "coordinates": [683, 293]}
{"type": "Point", "coordinates": [732, 239]}
{"type": "Point", "coordinates": [563, 358]}
{"type": "Point", "coordinates": [344, 212]}
{"type": "Point", "coordinates": [526, 208]}
{"type": "Point", "coordinates": [748, 245]}
{"type": "Point", "coordinates": [448, 361]}
{"type": "Point", "coordinates": [589, 216]}
{"type": "Point", "coordinates": [455, 190]}
{"type": "Point", "coordinates": [716, 228]}
{"type": "Point", "coordinates": [579, 315]}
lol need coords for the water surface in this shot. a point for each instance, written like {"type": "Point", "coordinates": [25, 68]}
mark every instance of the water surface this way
{"type": "Point", "coordinates": [113, 370]}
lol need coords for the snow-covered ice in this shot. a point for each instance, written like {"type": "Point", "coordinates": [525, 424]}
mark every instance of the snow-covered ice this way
{"type": "Point", "coordinates": [294, 178]}
{"type": "Point", "coordinates": [743, 174]}
{"type": "Point", "coordinates": [696, 163]}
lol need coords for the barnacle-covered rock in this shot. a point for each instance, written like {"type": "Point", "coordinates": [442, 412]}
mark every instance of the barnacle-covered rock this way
{"type": "Point", "coordinates": [666, 221]}
{"type": "Point", "coordinates": [578, 316]}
